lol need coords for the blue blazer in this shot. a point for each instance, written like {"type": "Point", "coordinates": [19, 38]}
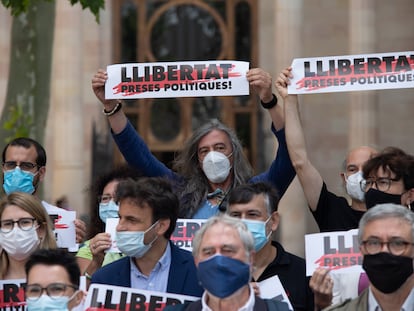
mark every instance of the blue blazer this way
{"type": "Point", "coordinates": [182, 278]}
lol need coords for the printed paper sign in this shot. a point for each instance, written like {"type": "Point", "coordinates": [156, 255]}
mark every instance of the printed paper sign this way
{"type": "Point", "coordinates": [177, 79]}
{"type": "Point", "coordinates": [106, 297]}
{"type": "Point", "coordinates": [110, 227]}
{"type": "Point", "coordinates": [63, 225]}
{"type": "Point", "coordinates": [338, 251]}
{"type": "Point", "coordinates": [272, 288]}
{"type": "Point", "coordinates": [352, 73]}
{"type": "Point", "coordinates": [184, 232]}
{"type": "Point", "coordinates": [12, 295]}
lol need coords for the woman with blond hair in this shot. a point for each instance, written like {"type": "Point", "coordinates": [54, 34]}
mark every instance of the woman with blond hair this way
{"type": "Point", "coordinates": [24, 227]}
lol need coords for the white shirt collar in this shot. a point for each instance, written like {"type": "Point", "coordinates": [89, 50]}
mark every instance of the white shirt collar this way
{"type": "Point", "coordinates": [249, 305]}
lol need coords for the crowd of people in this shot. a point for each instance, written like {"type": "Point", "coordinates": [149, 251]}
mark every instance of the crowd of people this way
{"type": "Point", "coordinates": [234, 250]}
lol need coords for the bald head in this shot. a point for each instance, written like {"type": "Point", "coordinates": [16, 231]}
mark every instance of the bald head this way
{"type": "Point", "coordinates": [356, 158]}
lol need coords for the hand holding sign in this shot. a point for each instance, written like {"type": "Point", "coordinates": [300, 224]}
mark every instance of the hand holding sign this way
{"type": "Point", "coordinates": [352, 73]}
{"type": "Point", "coordinates": [174, 79]}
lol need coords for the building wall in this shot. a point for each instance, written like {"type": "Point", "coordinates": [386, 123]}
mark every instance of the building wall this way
{"type": "Point", "coordinates": [333, 123]}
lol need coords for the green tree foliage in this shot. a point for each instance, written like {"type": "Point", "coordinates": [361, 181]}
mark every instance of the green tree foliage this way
{"type": "Point", "coordinates": [28, 91]}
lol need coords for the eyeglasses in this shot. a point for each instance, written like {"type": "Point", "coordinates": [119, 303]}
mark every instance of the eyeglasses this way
{"type": "Point", "coordinates": [105, 198]}
{"type": "Point", "coordinates": [24, 166]}
{"type": "Point", "coordinates": [53, 290]}
{"type": "Point", "coordinates": [395, 247]}
{"type": "Point", "coordinates": [24, 223]}
{"type": "Point", "coordinates": [381, 183]}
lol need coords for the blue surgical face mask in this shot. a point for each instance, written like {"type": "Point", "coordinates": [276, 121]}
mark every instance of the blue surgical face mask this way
{"type": "Point", "coordinates": [258, 229]}
{"type": "Point", "coordinates": [108, 210]}
{"type": "Point", "coordinates": [18, 180]}
{"type": "Point", "coordinates": [222, 276]}
{"type": "Point", "coordinates": [46, 303]}
{"type": "Point", "coordinates": [131, 243]}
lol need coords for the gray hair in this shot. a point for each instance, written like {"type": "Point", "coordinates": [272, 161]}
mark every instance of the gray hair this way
{"type": "Point", "coordinates": [384, 211]}
{"type": "Point", "coordinates": [245, 235]}
{"type": "Point", "coordinates": [196, 185]}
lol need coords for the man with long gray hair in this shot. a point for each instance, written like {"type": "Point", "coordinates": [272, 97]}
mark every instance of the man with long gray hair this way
{"type": "Point", "coordinates": [212, 161]}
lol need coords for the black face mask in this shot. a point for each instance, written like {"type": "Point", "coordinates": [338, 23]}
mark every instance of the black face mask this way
{"type": "Point", "coordinates": [374, 197]}
{"type": "Point", "coordinates": [387, 272]}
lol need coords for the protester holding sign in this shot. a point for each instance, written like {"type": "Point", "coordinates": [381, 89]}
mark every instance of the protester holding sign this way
{"type": "Point", "coordinates": [388, 178]}
{"type": "Point", "coordinates": [256, 205]}
{"type": "Point", "coordinates": [331, 212]}
{"type": "Point", "coordinates": [148, 210]}
{"type": "Point", "coordinates": [24, 167]}
{"type": "Point", "coordinates": [211, 162]}
{"type": "Point", "coordinates": [53, 278]}
{"type": "Point", "coordinates": [24, 227]}
{"type": "Point", "coordinates": [223, 251]}
{"type": "Point", "coordinates": [386, 237]}
{"type": "Point", "coordinates": [93, 254]}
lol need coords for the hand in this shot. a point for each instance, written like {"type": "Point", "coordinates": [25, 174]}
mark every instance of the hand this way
{"type": "Point", "coordinates": [98, 84]}
{"type": "Point", "coordinates": [98, 244]}
{"type": "Point", "coordinates": [80, 229]}
{"type": "Point", "coordinates": [283, 81]}
{"type": "Point", "coordinates": [256, 288]}
{"type": "Point", "coordinates": [321, 284]}
{"type": "Point", "coordinates": [261, 83]}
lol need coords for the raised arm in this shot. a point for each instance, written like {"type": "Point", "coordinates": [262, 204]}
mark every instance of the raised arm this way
{"type": "Point", "coordinates": [261, 84]}
{"type": "Point", "coordinates": [118, 120]}
{"type": "Point", "coordinates": [280, 172]}
{"type": "Point", "coordinates": [309, 177]}
{"type": "Point", "coordinates": [131, 145]}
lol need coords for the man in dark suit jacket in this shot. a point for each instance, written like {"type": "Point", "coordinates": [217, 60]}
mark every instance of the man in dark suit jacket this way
{"type": "Point", "coordinates": [223, 252]}
{"type": "Point", "coordinates": [148, 211]}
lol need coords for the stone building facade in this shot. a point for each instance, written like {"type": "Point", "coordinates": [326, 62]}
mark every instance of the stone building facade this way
{"type": "Point", "coordinates": [286, 29]}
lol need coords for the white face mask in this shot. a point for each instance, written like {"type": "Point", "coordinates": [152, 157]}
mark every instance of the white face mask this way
{"type": "Point", "coordinates": [131, 243]}
{"type": "Point", "coordinates": [353, 187]}
{"type": "Point", "coordinates": [47, 303]}
{"type": "Point", "coordinates": [108, 210]}
{"type": "Point", "coordinates": [216, 166]}
{"type": "Point", "coordinates": [20, 244]}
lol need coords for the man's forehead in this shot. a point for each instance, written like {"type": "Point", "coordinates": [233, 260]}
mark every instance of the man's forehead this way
{"type": "Point", "coordinates": [390, 227]}
{"type": "Point", "coordinates": [257, 203]}
{"type": "Point", "coordinates": [20, 151]}
{"type": "Point", "coordinates": [214, 137]}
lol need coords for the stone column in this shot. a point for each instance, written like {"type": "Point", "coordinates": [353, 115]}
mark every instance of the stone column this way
{"type": "Point", "coordinates": [362, 108]}
{"type": "Point", "coordinates": [287, 45]}
{"type": "Point", "coordinates": [65, 137]}
{"type": "Point", "coordinates": [5, 40]}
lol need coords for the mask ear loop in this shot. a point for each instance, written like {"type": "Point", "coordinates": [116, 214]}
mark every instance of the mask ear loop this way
{"type": "Point", "coordinates": [271, 231]}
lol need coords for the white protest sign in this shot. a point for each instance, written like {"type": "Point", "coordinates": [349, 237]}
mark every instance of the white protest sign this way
{"type": "Point", "coordinates": [110, 227]}
{"type": "Point", "coordinates": [337, 251]}
{"type": "Point", "coordinates": [184, 232]}
{"type": "Point", "coordinates": [12, 295]}
{"type": "Point", "coordinates": [107, 297]}
{"type": "Point", "coordinates": [272, 288]}
{"type": "Point", "coordinates": [177, 79]}
{"type": "Point", "coordinates": [352, 73]}
{"type": "Point", "coordinates": [63, 225]}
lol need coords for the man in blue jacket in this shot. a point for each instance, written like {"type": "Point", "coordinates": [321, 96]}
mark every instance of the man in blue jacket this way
{"type": "Point", "coordinates": [211, 162]}
{"type": "Point", "coordinates": [148, 211]}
